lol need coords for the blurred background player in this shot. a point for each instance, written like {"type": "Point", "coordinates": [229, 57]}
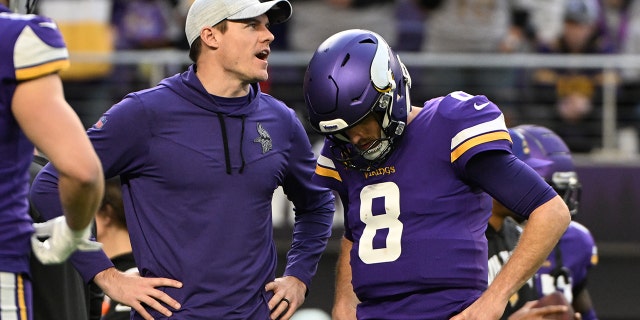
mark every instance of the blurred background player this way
{"type": "Point", "coordinates": [567, 267]}
{"type": "Point", "coordinates": [33, 111]}
{"type": "Point", "coordinates": [411, 180]}
{"type": "Point", "coordinates": [503, 234]}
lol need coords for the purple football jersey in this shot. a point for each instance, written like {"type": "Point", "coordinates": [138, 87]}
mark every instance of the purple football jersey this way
{"type": "Point", "coordinates": [417, 226]}
{"type": "Point", "coordinates": [577, 254]}
{"type": "Point", "coordinates": [31, 47]}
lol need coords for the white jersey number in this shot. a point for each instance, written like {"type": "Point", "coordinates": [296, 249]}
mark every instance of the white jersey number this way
{"type": "Point", "coordinates": [390, 194]}
{"type": "Point", "coordinates": [461, 95]}
{"type": "Point", "coordinates": [549, 285]}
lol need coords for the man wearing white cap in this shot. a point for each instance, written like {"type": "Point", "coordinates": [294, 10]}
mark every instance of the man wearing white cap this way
{"type": "Point", "coordinates": [199, 157]}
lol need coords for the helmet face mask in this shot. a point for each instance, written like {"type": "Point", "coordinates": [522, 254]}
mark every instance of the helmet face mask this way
{"type": "Point", "coordinates": [352, 75]}
{"type": "Point", "coordinates": [23, 6]}
{"type": "Point", "coordinates": [549, 156]}
{"type": "Point", "coordinates": [568, 188]}
{"type": "Point", "coordinates": [364, 160]}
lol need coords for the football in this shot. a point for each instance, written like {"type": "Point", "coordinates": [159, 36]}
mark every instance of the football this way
{"type": "Point", "coordinates": [553, 299]}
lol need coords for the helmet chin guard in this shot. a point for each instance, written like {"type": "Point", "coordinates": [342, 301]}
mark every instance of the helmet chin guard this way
{"type": "Point", "coordinates": [353, 74]}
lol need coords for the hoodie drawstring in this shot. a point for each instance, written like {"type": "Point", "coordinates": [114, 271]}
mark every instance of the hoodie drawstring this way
{"type": "Point", "coordinates": [225, 141]}
{"type": "Point", "coordinates": [242, 138]}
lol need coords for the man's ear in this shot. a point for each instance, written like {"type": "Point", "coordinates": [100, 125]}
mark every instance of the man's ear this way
{"type": "Point", "coordinates": [210, 36]}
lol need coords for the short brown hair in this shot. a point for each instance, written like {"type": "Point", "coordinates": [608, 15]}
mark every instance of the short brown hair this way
{"type": "Point", "coordinates": [113, 198]}
{"type": "Point", "coordinates": [196, 46]}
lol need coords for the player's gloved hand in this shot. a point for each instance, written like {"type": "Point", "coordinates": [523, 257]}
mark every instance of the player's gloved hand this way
{"type": "Point", "coordinates": [62, 241]}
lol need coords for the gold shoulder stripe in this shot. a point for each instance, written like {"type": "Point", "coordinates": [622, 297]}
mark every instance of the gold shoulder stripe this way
{"type": "Point", "coordinates": [329, 173]}
{"type": "Point", "coordinates": [494, 125]}
{"type": "Point", "coordinates": [40, 70]}
{"type": "Point", "coordinates": [464, 147]}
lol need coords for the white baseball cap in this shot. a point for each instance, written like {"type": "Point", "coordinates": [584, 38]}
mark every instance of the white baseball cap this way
{"type": "Point", "coordinates": [206, 13]}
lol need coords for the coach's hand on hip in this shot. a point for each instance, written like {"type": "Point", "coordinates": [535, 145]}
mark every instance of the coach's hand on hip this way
{"type": "Point", "coordinates": [288, 295]}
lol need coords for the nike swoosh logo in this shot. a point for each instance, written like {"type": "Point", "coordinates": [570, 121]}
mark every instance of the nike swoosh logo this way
{"type": "Point", "coordinates": [50, 25]}
{"type": "Point", "coordinates": [480, 106]}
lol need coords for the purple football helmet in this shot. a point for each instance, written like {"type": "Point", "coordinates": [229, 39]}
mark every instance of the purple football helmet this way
{"type": "Point", "coordinates": [544, 151]}
{"type": "Point", "coordinates": [353, 74]}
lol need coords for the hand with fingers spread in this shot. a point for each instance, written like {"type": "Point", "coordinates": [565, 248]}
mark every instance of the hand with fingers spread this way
{"type": "Point", "coordinates": [133, 290]}
{"type": "Point", "coordinates": [61, 242]}
{"type": "Point", "coordinates": [289, 293]}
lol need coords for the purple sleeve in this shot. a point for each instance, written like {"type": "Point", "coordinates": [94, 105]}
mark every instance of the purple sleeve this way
{"type": "Point", "coordinates": [121, 137]}
{"type": "Point", "coordinates": [119, 140]}
{"type": "Point", "coordinates": [45, 199]}
{"type": "Point", "coordinates": [314, 209]}
{"type": "Point", "coordinates": [328, 175]}
{"type": "Point", "coordinates": [510, 181]}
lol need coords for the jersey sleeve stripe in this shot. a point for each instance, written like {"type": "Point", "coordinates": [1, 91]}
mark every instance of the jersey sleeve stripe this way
{"type": "Point", "coordinates": [464, 147]}
{"type": "Point", "coordinates": [326, 162]}
{"type": "Point", "coordinates": [594, 255]}
{"type": "Point", "coordinates": [496, 124]}
{"type": "Point", "coordinates": [40, 70]}
{"type": "Point", "coordinates": [327, 168]}
{"type": "Point", "coordinates": [42, 58]}
{"type": "Point", "coordinates": [329, 173]}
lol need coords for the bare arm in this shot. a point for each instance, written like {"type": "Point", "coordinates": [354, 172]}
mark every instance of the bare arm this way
{"type": "Point", "coordinates": [345, 301]}
{"type": "Point", "coordinates": [544, 228]}
{"type": "Point", "coordinates": [49, 122]}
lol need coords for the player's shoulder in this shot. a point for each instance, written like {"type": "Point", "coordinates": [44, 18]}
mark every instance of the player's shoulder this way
{"type": "Point", "coordinates": [459, 104]}
{"type": "Point", "coordinates": [579, 241]}
{"type": "Point", "coordinates": [578, 227]}
{"type": "Point", "coordinates": [470, 123]}
{"type": "Point", "coordinates": [32, 27]}
{"type": "Point", "coordinates": [577, 231]}
{"type": "Point", "coordinates": [38, 46]}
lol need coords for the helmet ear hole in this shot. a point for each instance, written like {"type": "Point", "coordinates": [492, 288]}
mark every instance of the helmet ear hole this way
{"type": "Point", "coordinates": [383, 103]}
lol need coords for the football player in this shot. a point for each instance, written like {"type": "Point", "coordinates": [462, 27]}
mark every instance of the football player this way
{"type": "Point", "coordinates": [567, 266]}
{"type": "Point", "coordinates": [34, 112]}
{"type": "Point", "coordinates": [416, 184]}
